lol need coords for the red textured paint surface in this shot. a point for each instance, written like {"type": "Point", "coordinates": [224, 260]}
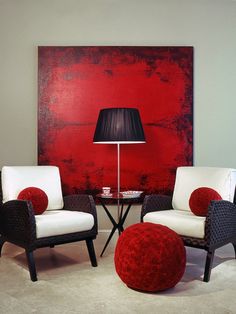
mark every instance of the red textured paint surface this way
{"type": "Point", "coordinates": [76, 82]}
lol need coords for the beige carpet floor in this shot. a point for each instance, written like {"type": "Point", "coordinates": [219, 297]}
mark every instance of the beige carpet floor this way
{"type": "Point", "coordinates": [67, 284]}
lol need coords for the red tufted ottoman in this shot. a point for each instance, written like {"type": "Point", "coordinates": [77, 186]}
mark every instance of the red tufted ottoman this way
{"type": "Point", "coordinates": [150, 257]}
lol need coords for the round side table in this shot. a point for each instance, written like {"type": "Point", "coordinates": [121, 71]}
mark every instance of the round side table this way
{"type": "Point", "coordinates": [121, 200]}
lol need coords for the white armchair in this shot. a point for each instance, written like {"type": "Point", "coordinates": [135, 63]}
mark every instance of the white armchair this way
{"type": "Point", "coordinates": [66, 219]}
{"type": "Point", "coordinates": [218, 228]}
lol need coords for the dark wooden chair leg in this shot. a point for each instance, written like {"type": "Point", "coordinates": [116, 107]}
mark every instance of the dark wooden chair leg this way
{"type": "Point", "coordinates": [208, 266]}
{"type": "Point", "coordinates": [2, 241]}
{"type": "Point", "coordinates": [234, 245]}
{"type": "Point", "coordinates": [31, 265]}
{"type": "Point", "coordinates": [92, 255]}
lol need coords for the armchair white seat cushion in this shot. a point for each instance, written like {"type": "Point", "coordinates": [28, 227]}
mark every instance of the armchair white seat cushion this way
{"type": "Point", "coordinates": [47, 178]}
{"type": "Point", "coordinates": [181, 221]}
{"type": "Point", "coordinates": [58, 222]}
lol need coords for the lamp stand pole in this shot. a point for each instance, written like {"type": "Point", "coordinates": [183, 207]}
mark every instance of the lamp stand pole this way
{"type": "Point", "coordinates": [118, 178]}
{"type": "Point", "coordinates": [118, 168]}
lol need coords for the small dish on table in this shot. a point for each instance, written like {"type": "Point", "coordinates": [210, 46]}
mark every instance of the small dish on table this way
{"type": "Point", "coordinates": [106, 195]}
{"type": "Point", "coordinates": [131, 194]}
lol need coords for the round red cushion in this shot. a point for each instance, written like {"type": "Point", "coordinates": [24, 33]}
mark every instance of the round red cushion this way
{"type": "Point", "coordinates": [150, 257]}
{"type": "Point", "coordinates": [37, 197]}
{"type": "Point", "coordinates": [200, 200]}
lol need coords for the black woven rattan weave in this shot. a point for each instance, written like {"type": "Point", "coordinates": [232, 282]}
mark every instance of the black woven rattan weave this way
{"type": "Point", "coordinates": [220, 226]}
{"type": "Point", "coordinates": [17, 225]}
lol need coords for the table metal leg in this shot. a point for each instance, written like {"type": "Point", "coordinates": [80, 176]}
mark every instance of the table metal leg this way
{"type": "Point", "coordinates": [108, 214]}
{"type": "Point", "coordinates": [109, 239]}
{"type": "Point", "coordinates": [120, 228]}
{"type": "Point", "coordinates": [116, 225]}
{"type": "Point", "coordinates": [122, 220]}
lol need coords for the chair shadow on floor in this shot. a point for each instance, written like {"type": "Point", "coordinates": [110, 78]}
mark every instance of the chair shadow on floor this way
{"type": "Point", "coordinates": [195, 262]}
{"type": "Point", "coordinates": [55, 258]}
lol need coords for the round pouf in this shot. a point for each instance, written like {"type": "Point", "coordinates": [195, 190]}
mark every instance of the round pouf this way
{"type": "Point", "coordinates": [150, 257]}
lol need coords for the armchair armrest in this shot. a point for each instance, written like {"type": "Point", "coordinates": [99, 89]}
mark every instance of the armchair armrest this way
{"type": "Point", "coordinates": [220, 227]}
{"type": "Point", "coordinates": [155, 202]}
{"type": "Point", "coordinates": [18, 222]}
{"type": "Point", "coordinates": [81, 202]}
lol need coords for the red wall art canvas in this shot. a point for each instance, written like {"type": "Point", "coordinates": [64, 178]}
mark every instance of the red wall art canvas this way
{"type": "Point", "coordinates": [75, 83]}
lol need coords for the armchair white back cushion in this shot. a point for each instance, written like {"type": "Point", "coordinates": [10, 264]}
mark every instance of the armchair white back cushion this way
{"type": "Point", "coordinates": [47, 178]}
{"type": "Point", "coordinates": [188, 179]}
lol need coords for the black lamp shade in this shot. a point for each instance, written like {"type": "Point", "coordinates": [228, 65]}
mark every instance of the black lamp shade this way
{"type": "Point", "coordinates": [119, 125]}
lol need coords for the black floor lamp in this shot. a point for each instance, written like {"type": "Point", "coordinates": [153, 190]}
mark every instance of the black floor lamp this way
{"type": "Point", "coordinates": [119, 126]}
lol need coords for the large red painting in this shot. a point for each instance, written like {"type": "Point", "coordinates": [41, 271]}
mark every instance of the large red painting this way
{"type": "Point", "coordinates": [76, 82]}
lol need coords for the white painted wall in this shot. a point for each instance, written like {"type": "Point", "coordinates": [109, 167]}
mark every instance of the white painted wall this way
{"type": "Point", "coordinates": [208, 25]}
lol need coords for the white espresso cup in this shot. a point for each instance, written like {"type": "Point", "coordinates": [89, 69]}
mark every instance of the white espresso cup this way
{"type": "Point", "coordinates": [106, 190]}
